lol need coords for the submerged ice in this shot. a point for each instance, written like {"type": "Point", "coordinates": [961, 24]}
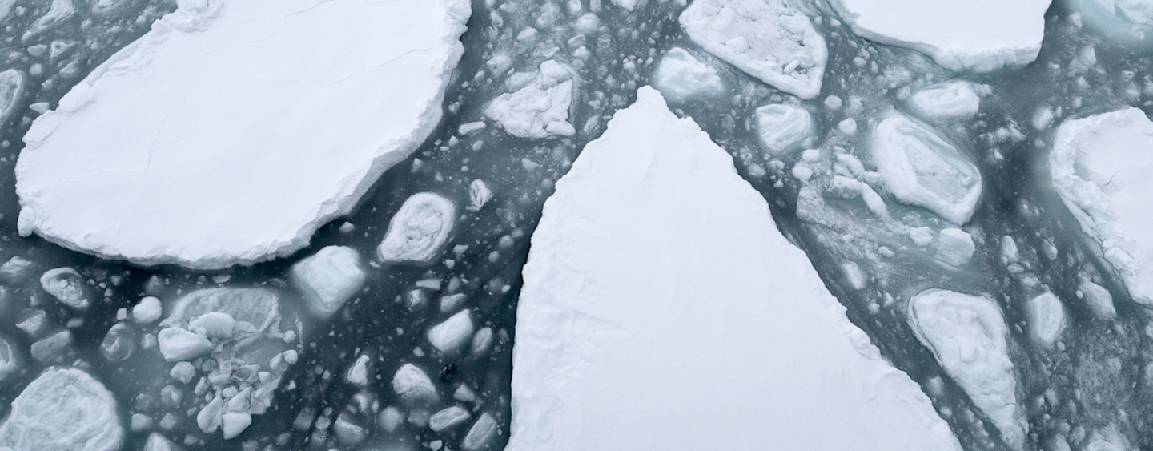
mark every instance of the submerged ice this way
{"type": "Point", "coordinates": [64, 409]}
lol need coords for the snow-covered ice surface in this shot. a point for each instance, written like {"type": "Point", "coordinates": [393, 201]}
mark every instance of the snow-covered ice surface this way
{"type": "Point", "coordinates": [169, 179]}
{"type": "Point", "coordinates": [607, 306]}
{"type": "Point", "coordinates": [972, 35]}
{"type": "Point", "coordinates": [64, 409]}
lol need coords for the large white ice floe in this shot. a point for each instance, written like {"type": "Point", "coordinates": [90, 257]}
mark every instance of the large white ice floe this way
{"type": "Point", "coordinates": [1100, 167]}
{"type": "Point", "coordinates": [975, 35]}
{"type": "Point", "coordinates": [681, 75]}
{"type": "Point", "coordinates": [969, 338]}
{"type": "Point", "coordinates": [637, 270]}
{"type": "Point", "coordinates": [771, 40]}
{"type": "Point", "coordinates": [64, 409]}
{"type": "Point", "coordinates": [920, 167]}
{"type": "Point", "coordinates": [231, 131]}
{"type": "Point", "coordinates": [538, 104]}
{"type": "Point", "coordinates": [328, 279]}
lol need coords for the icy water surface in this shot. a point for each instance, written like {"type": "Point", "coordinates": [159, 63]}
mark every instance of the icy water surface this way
{"type": "Point", "coordinates": [1095, 378]}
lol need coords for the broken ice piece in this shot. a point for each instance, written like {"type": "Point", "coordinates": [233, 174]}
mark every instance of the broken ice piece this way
{"type": "Point", "coordinates": [147, 311]}
{"type": "Point", "coordinates": [540, 107]}
{"type": "Point", "coordinates": [413, 385]}
{"type": "Point", "coordinates": [478, 195]}
{"type": "Point", "coordinates": [51, 349]}
{"type": "Point", "coordinates": [418, 230]}
{"type": "Point", "coordinates": [452, 334]}
{"type": "Point", "coordinates": [448, 418]}
{"type": "Point", "coordinates": [233, 423]}
{"type": "Point", "coordinates": [783, 127]}
{"type": "Point", "coordinates": [66, 285]}
{"type": "Point", "coordinates": [1099, 300]}
{"type": "Point", "coordinates": [119, 342]}
{"type": "Point", "coordinates": [1046, 317]}
{"type": "Point", "coordinates": [63, 409]}
{"type": "Point", "coordinates": [11, 92]}
{"type": "Point", "coordinates": [955, 100]}
{"type": "Point", "coordinates": [178, 344]}
{"type": "Point", "coordinates": [681, 76]}
{"type": "Point", "coordinates": [328, 279]}
{"type": "Point", "coordinates": [481, 433]}
{"type": "Point", "coordinates": [9, 362]}
{"type": "Point", "coordinates": [157, 442]}
{"type": "Point", "coordinates": [954, 246]}
{"type": "Point", "coordinates": [358, 374]}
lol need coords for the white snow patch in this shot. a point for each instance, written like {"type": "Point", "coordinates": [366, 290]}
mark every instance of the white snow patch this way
{"type": "Point", "coordinates": [771, 40]}
{"type": "Point", "coordinates": [538, 106]}
{"type": "Point", "coordinates": [328, 279]}
{"type": "Point", "coordinates": [968, 336]}
{"type": "Point", "coordinates": [418, 230]}
{"type": "Point", "coordinates": [164, 154]}
{"type": "Point", "coordinates": [622, 285]}
{"type": "Point", "coordinates": [921, 168]}
{"type": "Point", "coordinates": [784, 127]}
{"type": "Point", "coordinates": [681, 75]}
{"type": "Point", "coordinates": [1100, 166]}
{"type": "Point", "coordinates": [954, 100]}
{"type": "Point", "coordinates": [1046, 318]}
{"type": "Point", "coordinates": [64, 409]}
{"type": "Point", "coordinates": [976, 35]}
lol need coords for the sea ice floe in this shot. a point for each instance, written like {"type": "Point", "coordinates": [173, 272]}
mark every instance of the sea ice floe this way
{"type": "Point", "coordinates": [64, 409]}
{"type": "Point", "coordinates": [920, 167]}
{"type": "Point", "coordinates": [538, 104]}
{"type": "Point", "coordinates": [67, 286]}
{"type": "Point", "coordinates": [157, 442]}
{"type": "Point", "coordinates": [9, 359]}
{"type": "Point", "coordinates": [1046, 316]}
{"type": "Point", "coordinates": [1099, 300]}
{"type": "Point", "coordinates": [481, 433]}
{"type": "Point", "coordinates": [413, 385]}
{"type": "Point", "coordinates": [448, 418]}
{"type": "Point", "coordinates": [160, 116]}
{"type": "Point", "coordinates": [784, 127]}
{"type": "Point", "coordinates": [328, 279]}
{"type": "Point", "coordinates": [974, 35]}
{"type": "Point", "coordinates": [968, 336]}
{"type": "Point", "coordinates": [680, 75]}
{"type": "Point", "coordinates": [479, 194]}
{"type": "Point", "coordinates": [119, 342]}
{"type": "Point", "coordinates": [147, 311]}
{"type": "Point", "coordinates": [622, 285]}
{"type": "Point", "coordinates": [58, 12]}
{"type": "Point", "coordinates": [453, 333]}
{"type": "Point", "coordinates": [11, 90]}
{"type": "Point", "coordinates": [954, 100]}
{"type": "Point", "coordinates": [417, 232]}
{"type": "Point", "coordinates": [954, 246]}
{"type": "Point", "coordinates": [1100, 167]}
{"type": "Point", "coordinates": [771, 40]}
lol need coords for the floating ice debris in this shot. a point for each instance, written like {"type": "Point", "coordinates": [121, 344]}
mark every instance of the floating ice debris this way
{"type": "Point", "coordinates": [6, 8]}
{"type": "Point", "coordinates": [976, 35]}
{"type": "Point", "coordinates": [51, 349]}
{"type": "Point", "coordinates": [106, 6]}
{"type": "Point", "coordinates": [11, 89]}
{"type": "Point", "coordinates": [580, 352]}
{"type": "Point", "coordinates": [152, 116]}
{"type": "Point", "coordinates": [358, 374]}
{"type": "Point", "coordinates": [119, 342]}
{"type": "Point", "coordinates": [954, 246]}
{"type": "Point", "coordinates": [538, 104]}
{"type": "Point", "coordinates": [448, 418]}
{"type": "Point", "coordinates": [1046, 317]}
{"type": "Point", "coordinates": [771, 40]}
{"type": "Point", "coordinates": [157, 442]}
{"type": "Point", "coordinates": [784, 127]}
{"type": "Point", "coordinates": [215, 325]}
{"type": "Point", "coordinates": [66, 285]}
{"type": "Point", "coordinates": [147, 311]}
{"type": "Point", "coordinates": [1099, 300]}
{"type": "Point", "coordinates": [233, 423]}
{"type": "Point", "coordinates": [64, 409]}
{"type": "Point", "coordinates": [626, 4]}
{"type": "Point", "coordinates": [1100, 166]}
{"type": "Point", "coordinates": [452, 334]}
{"type": "Point", "coordinates": [481, 433]}
{"type": "Point", "coordinates": [9, 359]}
{"type": "Point", "coordinates": [328, 279]}
{"type": "Point", "coordinates": [681, 76]}
{"type": "Point", "coordinates": [413, 385]}
{"type": "Point", "coordinates": [478, 195]}
{"type": "Point", "coordinates": [969, 338]}
{"type": "Point", "coordinates": [954, 100]}
{"type": "Point", "coordinates": [177, 344]}
{"type": "Point", "coordinates": [418, 230]}
{"type": "Point", "coordinates": [58, 12]}
{"type": "Point", "coordinates": [921, 168]}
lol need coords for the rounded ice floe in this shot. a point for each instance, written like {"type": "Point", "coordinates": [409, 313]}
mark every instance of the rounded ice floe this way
{"type": "Point", "coordinates": [1100, 167]}
{"type": "Point", "coordinates": [328, 279]}
{"type": "Point", "coordinates": [418, 230]}
{"type": "Point", "coordinates": [969, 338]}
{"type": "Point", "coordinates": [954, 246]}
{"type": "Point", "coordinates": [1046, 317]}
{"type": "Point", "coordinates": [153, 159]}
{"type": "Point", "coordinates": [147, 311]}
{"type": "Point", "coordinates": [413, 385]}
{"type": "Point", "coordinates": [453, 333]}
{"type": "Point", "coordinates": [976, 35]}
{"type": "Point", "coordinates": [784, 127]}
{"type": "Point", "coordinates": [771, 40]}
{"type": "Point", "coordinates": [67, 286]}
{"type": "Point", "coordinates": [955, 100]}
{"type": "Point", "coordinates": [538, 104]}
{"type": "Point", "coordinates": [680, 76]}
{"type": "Point", "coordinates": [64, 409]}
{"type": "Point", "coordinates": [920, 167]}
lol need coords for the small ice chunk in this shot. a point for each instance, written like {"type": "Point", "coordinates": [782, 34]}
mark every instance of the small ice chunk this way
{"type": "Point", "coordinates": [216, 325]}
{"type": "Point", "coordinates": [64, 409]}
{"type": "Point", "coordinates": [955, 246]}
{"type": "Point", "coordinates": [968, 336]}
{"type": "Point", "coordinates": [9, 362]}
{"type": "Point", "coordinates": [418, 230]}
{"type": "Point", "coordinates": [1046, 317]}
{"type": "Point", "coordinates": [58, 12]}
{"type": "Point", "coordinates": [954, 100]}
{"type": "Point", "coordinates": [11, 84]}
{"type": "Point", "coordinates": [921, 236]}
{"type": "Point", "coordinates": [448, 418]}
{"type": "Point", "coordinates": [783, 127]}
{"type": "Point", "coordinates": [157, 442]}
{"type": "Point", "coordinates": [119, 342]}
{"type": "Point", "coordinates": [233, 423]}
{"type": "Point", "coordinates": [771, 40]}
{"type": "Point", "coordinates": [357, 374]}
{"type": "Point", "coordinates": [1099, 300]}
{"type": "Point", "coordinates": [921, 168]}
{"type": "Point", "coordinates": [539, 108]}
{"type": "Point", "coordinates": [51, 349]}
{"type": "Point", "coordinates": [178, 344]}
{"type": "Point", "coordinates": [413, 385]}
{"type": "Point", "coordinates": [478, 195]}
{"type": "Point", "coordinates": [452, 334]}
{"type": "Point", "coordinates": [328, 279]}
{"type": "Point", "coordinates": [626, 4]}
{"type": "Point", "coordinates": [681, 75]}
{"type": "Point", "coordinates": [481, 433]}
{"type": "Point", "coordinates": [147, 311]}
{"type": "Point", "coordinates": [976, 35]}
{"type": "Point", "coordinates": [66, 285]}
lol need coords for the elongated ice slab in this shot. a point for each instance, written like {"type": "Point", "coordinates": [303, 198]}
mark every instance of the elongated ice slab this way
{"type": "Point", "coordinates": [630, 280]}
{"type": "Point", "coordinates": [232, 130]}
{"type": "Point", "coordinates": [1100, 166]}
{"type": "Point", "coordinates": [921, 168]}
{"type": "Point", "coordinates": [64, 409]}
{"type": "Point", "coordinates": [976, 35]}
{"type": "Point", "coordinates": [968, 336]}
{"type": "Point", "coordinates": [771, 40]}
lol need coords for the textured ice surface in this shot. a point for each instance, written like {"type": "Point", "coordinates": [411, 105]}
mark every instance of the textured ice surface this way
{"type": "Point", "coordinates": [1046, 317]}
{"type": "Point", "coordinates": [630, 281]}
{"type": "Point", "coordinates": [1100, 167]}
{"type": "Point", "coordinates": [11, 90]}
{"type": "Point", "coordinates": [772, 40]}
{"type": "Point", "coordinates": [784, 127]}
{"type": "Point", "coordinates": [968, 336]}
{"type": "Point", "coordinates": [681, 75]}
{"type": "Point", "coordinates": [64, 409]}
{"type": "Point", "coordinates": [976, 35]}
{"type": "Point", "coordinates": [418, 230]}
{"type": "Point", "coordinates": [164, 154]}
{"type": "Point", "coordinates": [328, 279]}
{"type": "Point", "coordinates": [946, 101]}
{"type": "Point", "coordinates": [538, 106]}
{"type": "Point", "coordinates": [921, 168]}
